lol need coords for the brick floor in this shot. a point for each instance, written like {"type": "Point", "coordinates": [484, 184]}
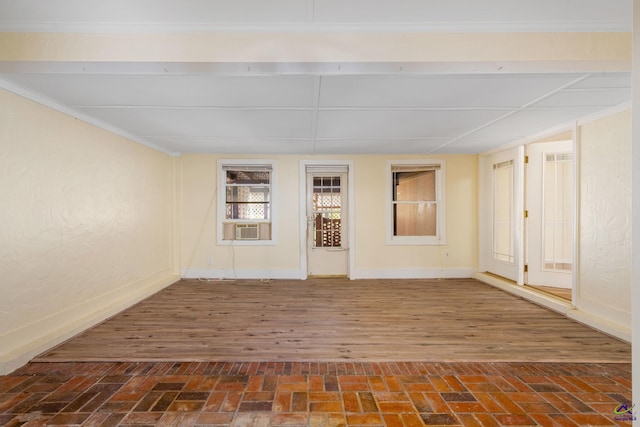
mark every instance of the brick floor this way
{"type": "Point", "coordinates": [315, 394]}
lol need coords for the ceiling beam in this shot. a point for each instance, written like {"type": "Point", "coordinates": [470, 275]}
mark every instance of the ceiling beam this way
{"type": "Point", "coordinates": [317, 53]}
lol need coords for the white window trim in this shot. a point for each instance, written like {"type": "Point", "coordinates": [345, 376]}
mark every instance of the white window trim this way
{"type": "Point", "coordinates": [440, 237]}
{"type": "Point", "coordinates": [221, 205]}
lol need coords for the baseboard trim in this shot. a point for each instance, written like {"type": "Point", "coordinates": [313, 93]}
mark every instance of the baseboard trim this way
{"type": "Point", "coordinates": [53, 330]}
{"type": "Point", "coordinates": [414, 273]}
{"type": "Point", "coordinates": [609, 328]}
{"type": "Point", "coordinates": [294, 274]}
{"type": "Point", "coordinates": [226, 274]}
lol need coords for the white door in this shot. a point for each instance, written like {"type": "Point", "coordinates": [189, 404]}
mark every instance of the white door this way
{"type": "Point", "coordinates": [327, 236]}
{"type": "Point", "coordinates": [501, 214]}
{"type": "Point", "coordinates": [550, 205]}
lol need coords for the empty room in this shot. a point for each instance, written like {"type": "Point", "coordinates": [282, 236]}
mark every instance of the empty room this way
{"type": "Point", "coordinates": [312, 212]}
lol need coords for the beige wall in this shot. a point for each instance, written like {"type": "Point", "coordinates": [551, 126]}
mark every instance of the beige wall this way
{"type": "Point", "coordinates": [458, 258]}
{"type": "Point", "coordinates": [604, 281]}
{"type": "Point", "coordinates": [199, 204]}
{"type": "Point", "coordinates": [87, 220]}
{"type": "Point", "coordinates": [372, 257]}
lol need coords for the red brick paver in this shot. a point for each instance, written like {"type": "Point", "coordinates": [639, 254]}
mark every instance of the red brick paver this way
{"type": "Point", "coordinates": [315, 394]}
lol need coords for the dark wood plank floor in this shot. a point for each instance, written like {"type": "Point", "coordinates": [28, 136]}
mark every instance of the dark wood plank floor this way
{"type": "Point", "coordinates": [339, 320]}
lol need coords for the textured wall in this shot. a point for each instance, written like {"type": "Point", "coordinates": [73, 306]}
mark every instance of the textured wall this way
{"type": "Point", "coordinates": [604, 283]}
{"type": "Point", "coordinates": [86, 224]}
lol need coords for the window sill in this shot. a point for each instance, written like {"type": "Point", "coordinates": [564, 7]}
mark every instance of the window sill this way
{"type": "Point", "coordinates": [246, 242]}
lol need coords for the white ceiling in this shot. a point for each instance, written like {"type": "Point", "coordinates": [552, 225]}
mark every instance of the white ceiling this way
{"type": "Point", "coordinates": [437, 15]}
{"type": "Point", "coordinates": [307, 112]}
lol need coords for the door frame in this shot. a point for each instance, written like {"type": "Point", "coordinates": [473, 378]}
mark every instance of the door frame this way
{"type": "Point", "coordinates": [303, 212]}
{"type": "Point", "coordinates": [485, 214]}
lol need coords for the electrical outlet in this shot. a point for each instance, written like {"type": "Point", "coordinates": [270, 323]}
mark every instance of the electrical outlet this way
{"type": "Point", "coordinates": [209, 261]}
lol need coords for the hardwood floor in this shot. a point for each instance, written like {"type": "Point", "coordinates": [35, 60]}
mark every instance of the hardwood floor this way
{"type": "Point", "coordinates": [334, 320]}
{"type": "Point", "coordinates": [561, 293]}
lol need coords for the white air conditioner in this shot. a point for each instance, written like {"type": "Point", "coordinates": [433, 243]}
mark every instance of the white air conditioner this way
{"type": "Point", "coordinates": [247, 232]}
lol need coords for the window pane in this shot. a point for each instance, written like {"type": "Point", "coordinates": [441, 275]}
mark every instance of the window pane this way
{"type": "Point", "coordinates": [247, 211]}
{"type": "Point", "coordinates": [414, 186]}
{"type": "Point", "coordinates": [558, 212]}
{"type": "Point", "coordinates": [503, 249]}
{"type": "Point", "coordinates": [327, 211]}
{"type": "Point", "coordinates": [248, 194]}
{"type": "Point", "coordinates": [248, 202]}
{"type": "Point", "coordinates": [327, 229]}
{"type": "Point", "coordinates": [415, 219]}
{"type": "Point", "coordinates": [248, 177]}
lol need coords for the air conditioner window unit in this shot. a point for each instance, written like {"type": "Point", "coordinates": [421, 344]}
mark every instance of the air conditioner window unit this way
{"type": "Point", "coordinates": [247, 232]}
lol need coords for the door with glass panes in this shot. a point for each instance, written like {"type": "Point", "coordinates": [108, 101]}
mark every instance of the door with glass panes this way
{"type": "Point", "coordinates": [550, 207]}
{"type": "Point", "coordinates": [327, 246]}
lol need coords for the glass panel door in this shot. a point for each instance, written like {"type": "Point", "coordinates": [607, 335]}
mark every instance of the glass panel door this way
{"type": "Point", "coordinates": [550, 224]}
{"type": "Point", "coordinates": [327, 246]}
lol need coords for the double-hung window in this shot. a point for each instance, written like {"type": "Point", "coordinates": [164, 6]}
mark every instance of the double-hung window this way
{"type": "Point", "coordinates": [245, 201]}
{"type": "Point", "coordinates": [416, 202]}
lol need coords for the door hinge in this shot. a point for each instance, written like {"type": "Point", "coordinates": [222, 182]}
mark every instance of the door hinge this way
{"type": "Point", "coordinates": [526, 159]}
{"type": "Point", "coordinates": [526, 214]}
{"type": "Point", "coordinates": [526, 268]}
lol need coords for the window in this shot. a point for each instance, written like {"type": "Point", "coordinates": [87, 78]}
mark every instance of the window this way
{"type": "Point", "coordinates": [245, 202]}
{"type": "Point", "coordinates": [416, 208]}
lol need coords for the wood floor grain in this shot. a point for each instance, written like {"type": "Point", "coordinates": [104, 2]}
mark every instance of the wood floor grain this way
{"type": "Point", "coordinates": [339, 320]}
{"type": "Point", "coordinates": [561, 293]}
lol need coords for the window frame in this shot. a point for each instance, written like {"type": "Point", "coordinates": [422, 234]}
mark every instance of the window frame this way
{"type": "Point", "coordinates": [440, 184]}
{"type": "Point", "coordinates": [221, 189]}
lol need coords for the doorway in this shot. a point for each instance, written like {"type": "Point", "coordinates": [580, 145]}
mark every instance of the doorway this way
{"type": "Point", "coordinates": [550, 222]}
{"type": "Point", "coordinates": [527, 216]}
{"type": "Point", "coordinates": [501, 217]}
{"type": "Point", "coordinates": [327, 220]}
